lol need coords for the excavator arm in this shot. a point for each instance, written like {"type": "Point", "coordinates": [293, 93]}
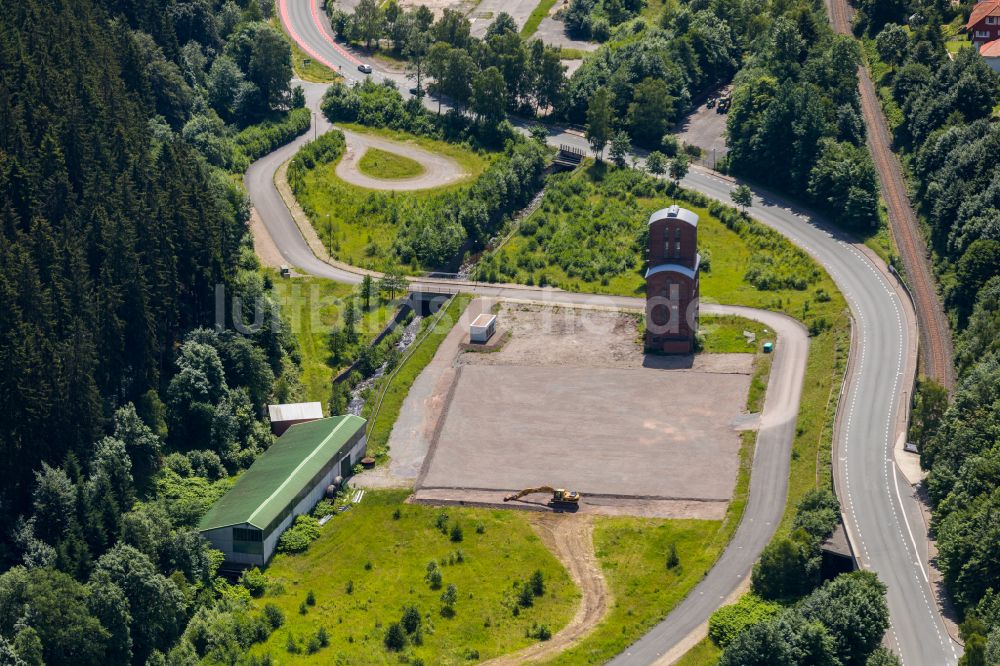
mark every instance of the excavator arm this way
{"type": "Point", "coordinates": [529, 491]}
{"type": "Point", "coordinates": [559, 495]}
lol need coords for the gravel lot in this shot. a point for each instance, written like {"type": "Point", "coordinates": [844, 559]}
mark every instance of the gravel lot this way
{"type": "Point", "coordinates": [571, 401]}
{"type": "Point", "coordinates": [706, 128]}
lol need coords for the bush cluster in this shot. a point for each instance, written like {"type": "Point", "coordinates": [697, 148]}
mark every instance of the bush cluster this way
{"type": "Point", "coordinates": [297, 538]}
{"type": "Point", "coordinates": [258, 140]}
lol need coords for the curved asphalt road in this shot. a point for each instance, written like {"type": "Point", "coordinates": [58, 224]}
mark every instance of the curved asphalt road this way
{"type": "Point", "coordinates": [880, 509]}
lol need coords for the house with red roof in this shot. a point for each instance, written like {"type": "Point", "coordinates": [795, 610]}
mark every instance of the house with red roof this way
{"type": "Point", "coordinates": [984, 22]}
{"type": "Point", "coordinates": [991, 54]}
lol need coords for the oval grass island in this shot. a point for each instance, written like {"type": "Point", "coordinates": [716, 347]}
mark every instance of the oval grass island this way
{"type": "Point", "coordinates": [383, 164]}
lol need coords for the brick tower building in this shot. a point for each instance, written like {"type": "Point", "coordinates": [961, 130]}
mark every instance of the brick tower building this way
{"type": "Point", "coordinates": [672, 281]}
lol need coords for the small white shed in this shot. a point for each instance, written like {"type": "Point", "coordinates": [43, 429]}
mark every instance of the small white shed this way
{"type": "Point", "coordinates": [482, 329]}
{"type": "Point", "coordinates": [285, 416]}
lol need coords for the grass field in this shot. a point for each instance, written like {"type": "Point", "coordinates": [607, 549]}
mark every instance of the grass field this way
{"type": "Point", "coordinates": [724, 335]}
{"type": "Point", "coordinates": [536, 16]}
{"type": "Point", "coordinates": [363, 223]}
{"type": "Point", "coordinates": [305, 66]}
{"type": "Point", "coordinates": [705, 653]}
{"type": "Point", "coordinates": [383, 164]}
{"type": "Point", "coordinates": [399, 386]}
{"type": "Point", "coordinates": [954, 39]}
{"type": "Point", "coordinates": [368, 565]}
{"type": "Point", "coordinates": [567, 53]}
{"type": "Point", "coordinates": [313, 308]}
{"type": "Point", "coordinates": [633, 555]}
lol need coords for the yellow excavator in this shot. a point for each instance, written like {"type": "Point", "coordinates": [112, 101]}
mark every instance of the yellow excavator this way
{"type": "Point", "coordinates": [559, 495]}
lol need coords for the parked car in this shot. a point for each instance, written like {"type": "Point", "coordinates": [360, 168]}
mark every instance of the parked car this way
{"type": "Point", "coordinates": [710, 103]}
{"type": "Point", "coordinates": [417, 92]}
{"type": "Point", "coordinates": [365, 69]}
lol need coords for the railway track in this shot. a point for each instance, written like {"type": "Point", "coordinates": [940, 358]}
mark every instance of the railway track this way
{"type": "Point", "coordinates": [935, 333]}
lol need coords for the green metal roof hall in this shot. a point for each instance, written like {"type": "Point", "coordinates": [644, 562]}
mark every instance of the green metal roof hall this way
{"type": "Point", "coordinates": [287, 480]}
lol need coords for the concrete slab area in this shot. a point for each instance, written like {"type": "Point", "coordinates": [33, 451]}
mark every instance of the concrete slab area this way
{"type": "Point", "coordinates": [611, 433]}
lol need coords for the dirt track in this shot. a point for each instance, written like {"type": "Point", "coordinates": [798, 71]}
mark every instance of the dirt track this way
{"type": "Point", "coordinates": [571, 539]}
{"type": "Point", "coordinates": [438, 169]}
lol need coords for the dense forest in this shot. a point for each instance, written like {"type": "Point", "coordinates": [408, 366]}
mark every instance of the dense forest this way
{"type": "Point", "coordinates": [128, 398]}
{"type": "Point", "coordinates": [943, 113]}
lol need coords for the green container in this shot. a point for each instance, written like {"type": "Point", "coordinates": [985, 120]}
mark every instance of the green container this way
{"type": "Point", "coordinates": [768, 347]}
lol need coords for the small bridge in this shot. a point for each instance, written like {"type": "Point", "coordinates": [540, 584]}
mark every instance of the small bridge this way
{"type": "Point", "coordinates": [569, 157]}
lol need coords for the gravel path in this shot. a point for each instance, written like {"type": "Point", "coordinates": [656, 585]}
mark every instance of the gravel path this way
{"type": "Point", "coordinates": [438, 169]}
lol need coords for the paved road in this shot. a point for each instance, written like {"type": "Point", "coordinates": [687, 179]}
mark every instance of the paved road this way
{"type": "Point", "coordinates": [881, 513]}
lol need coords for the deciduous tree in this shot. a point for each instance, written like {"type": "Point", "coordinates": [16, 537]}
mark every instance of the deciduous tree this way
{"type": "Point", "coordinates": [743, 197]}
{"type": "Point", "coordinates": [599, 121]}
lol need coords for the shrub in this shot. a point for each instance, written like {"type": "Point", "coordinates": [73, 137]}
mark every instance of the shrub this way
{"type": "Point", "coordinates": [537, 583]}
{"type": "Point", "coordinates": [441, 522]}
{"type": "Point", "coordinates": [727, 622]}
{"type": "Point", "coordinates": [297, 538]}
{"type": "Point", "coordinates": [395, 638]}
{"type": "Point", "coordinates": [818, 513]}
{"type": "Point", "coordinates": [480, 528]}
{"type": "Point", "coordinates": [324, 507]}
{"type": "Point", "coordinates": [448, 598]}
{"type": "Point", "coordinates": [274, 615]}
{"type": "Point", "coordinates": [303, 609]}
{"type": "Point", "coordinates": [788, 567]}
{"type": "Point", "coordinates": [254, 581]}
{"type": "Point", "coordinates": [310, 598]}
{"type": "Point", "coordinates": [672, 559]}
{"type": "Point", "coordinates": [541, 632]}
{"type": "Point", "coordinates": [411, 619]}
{"type": "Point", "coordinates": [322, 637]}
{"type": "Point", "coordinates": [456, 533]}
{"type": "Point", "coordinates": [525, 598]}
{"type": "Point", "coordinates": [259, 140]}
